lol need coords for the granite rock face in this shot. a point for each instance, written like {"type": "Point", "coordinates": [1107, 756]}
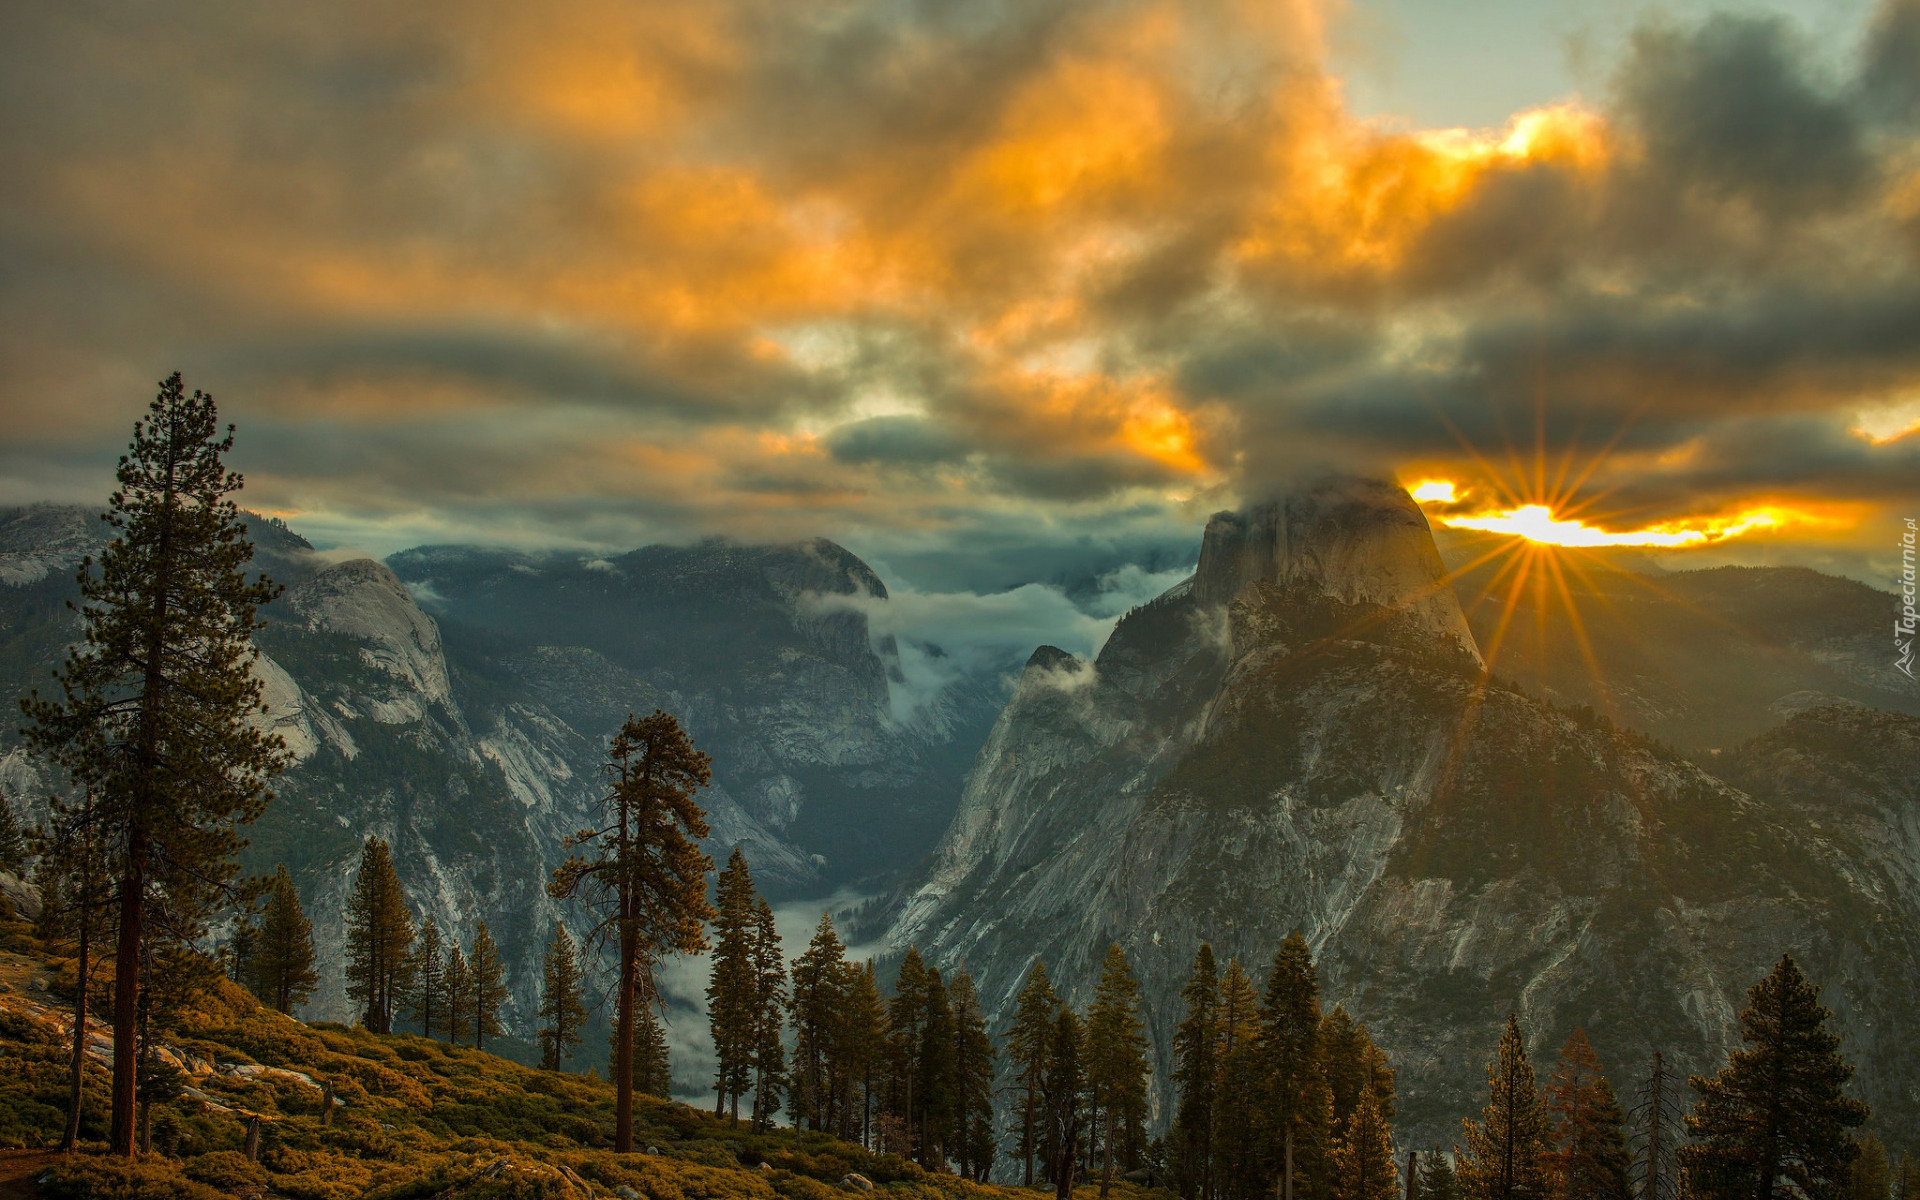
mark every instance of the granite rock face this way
{"type": "Point", "coordinates": [470, 731]}
{"type": "Point", "coordinates": [1274, 748]}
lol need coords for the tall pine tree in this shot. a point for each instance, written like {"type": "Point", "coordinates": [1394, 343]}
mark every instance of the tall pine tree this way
{"type": "Point", "coordinates": [815, 1008]}
{"type": "Point", "coordinates": [1291, 1077]}
{"type": "Point", "coordinates": [1777, 1115]}
{"type": "Point", "coordinates": [281, 972]}
{"type": "Point", "coordinates": [379, 935]}
{"type": "Point", "coordinates": [768, 1053]}
{"type": "Point", "coordinates": [152, 723]}
{"type": "Point", "coordinates": [459, 985]}
{"type": "Point", "coordinates": [865, 1039]}
{"type": "Point", "coordinates": [937, 1085]}
{"type": "Point", "coordinates": [486, 975]}
{"type": "Point", "coordinates": [1362, 1156]}
{"type": "Point", "coordinates": [647, 878]}
{"type": "Point", "coordinates": [1029, 1052]}
{"type": "Point", "coordinates": [733, 1006]}
{"type": "Point", "coordinates": [1117, 1066]}
{"type": "Point", "coordinates": [1508, 1148]}
{"type": "Point", "coordinates": [1590, 1158]}
{"type": "Point", "coordinates": [1196, 1069]}
{"type": "Point", "coordinates": [1065, 1088]}
{"type": "Point", "coordinates": [427, 979]}
{"type": "Point", "coordinates": [972, 1141]}
{"type": "Point", "coordinates": [906, 1023]}
{"type": "Point", "coordinates": [1237, 1166]}
{"type": "Point", "coordinates": [562, 1011]}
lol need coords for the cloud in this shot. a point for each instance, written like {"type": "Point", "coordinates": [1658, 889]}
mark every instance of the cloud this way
{"type": "Point", "coordinates": [940, 639]}
{"type": "Point", "coordinates": [943, 282]}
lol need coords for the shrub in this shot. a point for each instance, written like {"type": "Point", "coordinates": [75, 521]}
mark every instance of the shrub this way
{"type": "Point", "coordinates": [106, 1178]}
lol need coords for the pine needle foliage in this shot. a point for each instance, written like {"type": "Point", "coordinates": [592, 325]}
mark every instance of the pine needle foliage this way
{"type": "Point", "coordinates": [487, 979]}
{"type": "Point", "coordinates": [379, 938]}
{"type": "Point", "coordinates": [642, 874]}
{"type": "Point", "coordinates": [1508, 1148]}
{"type": "Point", "coordinates": [282, 971]}
{"type": "Point", "coordinates": [1777, 1116]}
{"type": "Point", "coordinates": [1590, 1161]}
{"type": "Point", "coordinates": [151, 722]}
{"type": "Point", "coordinates": [1029, 1050]}
{"type": "Point", "coordinates": [562, 1011]}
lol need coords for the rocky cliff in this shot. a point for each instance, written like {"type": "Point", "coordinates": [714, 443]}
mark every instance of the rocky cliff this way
{"type": "Point", "coordinates": [1274, 748]}
{"type": "Point", "coordinates": [472, 736]}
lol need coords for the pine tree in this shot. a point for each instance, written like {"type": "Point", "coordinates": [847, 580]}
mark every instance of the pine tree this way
{"type": "Point", "coordinates": [152, 721]}
{"type": "Point", "coordinates": [489, 988]}
{"type": "Point", "coordinates": [561, 1008]}
{"type": "Point", "coordinates": [733, 1004]}
{"type": "Point", "coordinates": [282, 973]}
{"type": "Point", "coordinates": [865, 1037]}
{"type": "Point", "coordinates": [906, 1022]}
{"type": "Point", "coordinates": [1777, 1114]}
{"type": "Point", "coordinates": [814, 1010]}
{"type": "Point", "coordinates": [427, 978]}
{"type": "Point", "coordinates": [1590, 1161]}
{"type": "Point", "coordinates": [1362, 1155]}
{"type": "Point", "coordinates": [647, 880]}
{"type": "Point", "coordinates": [1066, 1081]}
{"type": "Point", "coordinates": [1291, 1075]}
{"type": "Point", "coordinates": [1507, 1149]}
{"type": "Point", "coordinates": [768, 1054]}
{"type": "Point", "coordinates": [1872, 1175]}
{"type": "Point", "coordinates": [652, 1063]}
{"type": "Point", "coordinates": [459, 986]}
{"type": "Point", "coordinates": [379, 935]}
{"type": "Point", "coordinates": [13, 837]}
{"type": "Point", "coordinates": [973, 1075]}
{"type": "Point", "coordinates": [1437, 1180]}
{"type": "Point", "coordinates": [1236, 1140]}
{"type": "Point", "coordinates": [1117, 1066]}
{"type": "Point", "coordinates": [1029, 1053]}
{"type": "Point", "coordinates": [1196, 1055]}
{"type": "Point", "coordinates": [1353, 1067]}
{"type": "Point", "coordinates": [78, 907]}
{"type": "Point", "coordinates": [937, 1088]}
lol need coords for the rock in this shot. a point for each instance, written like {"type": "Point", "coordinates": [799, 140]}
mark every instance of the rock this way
{"type": "Point", "coordinates": [855, 1182]}
{"type": "Point", "coordinates": [1277, 751]}
{"type": "Point", "coordinates": [765, 1166]}
{"type": "Point", "coordinates": [626, 1193]}
{"type": "Point", "coordinates": [24, 896]}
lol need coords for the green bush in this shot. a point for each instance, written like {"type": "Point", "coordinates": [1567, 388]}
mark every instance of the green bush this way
{"type": "Point", "coordinates": [106, 1178]}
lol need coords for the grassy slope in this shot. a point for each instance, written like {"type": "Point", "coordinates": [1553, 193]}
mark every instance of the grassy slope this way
{"type": "Point", "coordinates": [419, 1119]}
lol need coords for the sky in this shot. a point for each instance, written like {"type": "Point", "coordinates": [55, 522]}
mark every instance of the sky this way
{"type": "Point", "coordinates": [991, 292]}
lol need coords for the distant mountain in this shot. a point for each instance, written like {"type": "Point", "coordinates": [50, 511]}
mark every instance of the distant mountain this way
{"type": "Point", "coordinates": [1702, 660]}
{"type": "Point", "coordinates": [1300, 737]}
{"type": "Point", "coordinates": [473, 736]}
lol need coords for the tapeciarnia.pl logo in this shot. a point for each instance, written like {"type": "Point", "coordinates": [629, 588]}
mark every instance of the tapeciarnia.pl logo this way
{"type": "Point", "coordinates": [1909, 619]}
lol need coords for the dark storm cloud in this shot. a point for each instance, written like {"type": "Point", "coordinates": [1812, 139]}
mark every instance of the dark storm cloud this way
{"type": "Point", "coordinates": [1732, 109]}
{"type": "Point", "coordinates": [927, 275]}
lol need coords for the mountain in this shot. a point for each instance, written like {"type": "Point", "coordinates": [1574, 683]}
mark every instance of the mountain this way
{"type": "Point", "coordinates": [472, 736]}
{"type": "Point", "coordinates": [1301, 738]}
{"type": "Point", "coordinates": [1703, 660]}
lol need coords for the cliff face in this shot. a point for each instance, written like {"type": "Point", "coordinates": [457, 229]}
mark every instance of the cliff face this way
{"type": "Point", "coordinates": [1360, 541]}
{"type": "Point", "coordinates": [473, 736]}
{"type": "Point", "coordinates": [1299, 755]}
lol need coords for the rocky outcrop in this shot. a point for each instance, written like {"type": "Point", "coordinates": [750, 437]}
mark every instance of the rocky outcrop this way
{"type": "Point", "coordinates": [1282, 747]}
{"type": "Point", "coordinates": [1359, 541]}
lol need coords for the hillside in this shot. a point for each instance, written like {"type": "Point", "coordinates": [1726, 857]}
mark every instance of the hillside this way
{"type": "Point", "coordinates": [415, 1119]}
